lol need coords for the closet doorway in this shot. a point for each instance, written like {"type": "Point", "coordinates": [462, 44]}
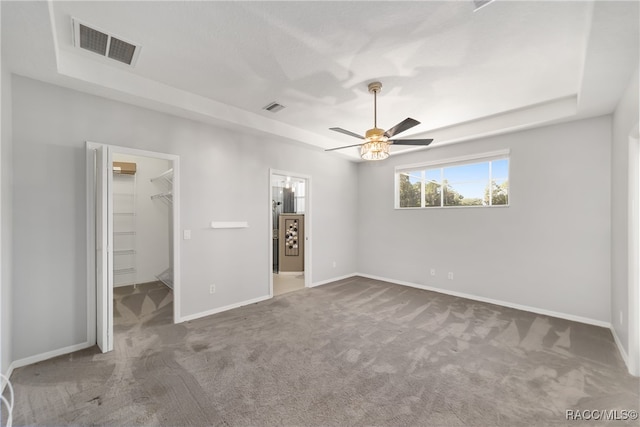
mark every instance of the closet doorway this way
{"type": "Point", "coordinates": [290, 248]}
{"type": "Point", "coordinates": [132, 217]}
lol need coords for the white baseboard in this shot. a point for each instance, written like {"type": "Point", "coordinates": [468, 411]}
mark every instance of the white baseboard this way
{"type": "Point", "coordinates": [253, 301]}
{"type": "Point", "coordinates": [335, 279]}
{"type": "Point", "coordinates": [48, 355]}
{"type": "Point", "coordinates": [54, 353]}
{"type": "Point", "coordinates": [221, 309]}
{"type": "Point", "coordinates": [494, 301]}
{"type": "Point", "coordinates": [623, 353]}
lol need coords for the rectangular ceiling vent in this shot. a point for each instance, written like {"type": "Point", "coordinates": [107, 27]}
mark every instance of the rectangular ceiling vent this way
{"type": "Point", "coordinates": [104, 44]}
{"type": "Point", "coordinates": [274, 107]}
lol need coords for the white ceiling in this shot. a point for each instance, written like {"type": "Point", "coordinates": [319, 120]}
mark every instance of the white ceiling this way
{"type": "Point", "coordinates": [463, 74]}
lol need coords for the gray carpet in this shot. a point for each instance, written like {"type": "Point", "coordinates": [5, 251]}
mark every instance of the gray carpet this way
{"type": "Point", "coordinates": [355, 352]}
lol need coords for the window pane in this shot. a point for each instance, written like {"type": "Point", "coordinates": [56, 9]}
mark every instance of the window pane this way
{"type": "Point", "coordinates": [410, 184]}
{"type": "Point", "coordinates": [466, 185]}
{"type": "Point", "coordinates": [432, 188]}
{"type": "Point", "coordinates": [500, 182]}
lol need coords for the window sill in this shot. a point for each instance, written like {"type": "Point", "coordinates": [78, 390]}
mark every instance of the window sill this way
{"type": "Point", "coordinates": [452, 207]}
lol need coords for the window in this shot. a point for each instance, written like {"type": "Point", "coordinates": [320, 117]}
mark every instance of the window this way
{"type": "Point", "coordinates": [481, 180]}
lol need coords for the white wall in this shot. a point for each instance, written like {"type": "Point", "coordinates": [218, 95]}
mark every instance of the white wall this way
{"type": "Point", "coordinates": [152, 218]}
{"type": "Point", "coordinates": [6, 227]}
{"type": "Point", "coordinates": [224, 175]}
{"type": "Point", "coordinates": [549, 250]}
{"type": "Point", "coordinates": [625, 119]}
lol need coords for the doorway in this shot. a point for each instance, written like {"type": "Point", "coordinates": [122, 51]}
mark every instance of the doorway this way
{"type": "Point", "coordinates": [142, 266]}
{"type": "Point", "coordinates": [289, 213]}
{"type": "Point", "coordinates": [132, 224]}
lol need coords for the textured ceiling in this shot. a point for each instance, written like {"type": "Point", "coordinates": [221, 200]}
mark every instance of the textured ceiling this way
{"type": "Point", "coordinates": [463, 74]}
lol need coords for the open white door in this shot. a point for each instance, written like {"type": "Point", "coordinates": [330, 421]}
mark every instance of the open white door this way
{"type": "Point", "coordinates": [104, 245]}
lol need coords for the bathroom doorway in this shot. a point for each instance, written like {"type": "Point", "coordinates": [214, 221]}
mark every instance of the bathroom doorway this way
{"type": "Point", "coordinates": [289, 220]}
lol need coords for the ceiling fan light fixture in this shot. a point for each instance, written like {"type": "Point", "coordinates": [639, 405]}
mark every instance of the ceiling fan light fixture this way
{"type": "Point", "coordinates": [374, 150]}
{"type": "Point", "coordinates": [376, 140]}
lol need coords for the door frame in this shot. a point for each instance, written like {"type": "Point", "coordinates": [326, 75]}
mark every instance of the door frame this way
{"type": "Point", "coordinates": [307, 225]}
{"type": "Point", "coordinates": [98, 160]}
{"type": "Point", "coordinates": [92, 320]}
{"type": "Point", "coordinates": [633, 249]}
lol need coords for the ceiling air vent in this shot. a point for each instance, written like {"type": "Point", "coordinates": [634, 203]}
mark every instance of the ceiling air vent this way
{"type": "Point", "coordinates": [104, 44]}
{"type": "Point", "coordinates": [274, 107]}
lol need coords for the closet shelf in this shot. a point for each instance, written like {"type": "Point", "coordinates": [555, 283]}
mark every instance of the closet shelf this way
{"type": "Point", "coordinates": [124, 270]}
{"type": "Point", "coordinates": [163, 194]}
{"type": "Point", "coordinates": [167, 196]}
{"type": "Point", "coordinates": [125, 252]}
{"type": "Point", "coordinates": [124, 233]}
{"type": "Point", "coordinates": [125, 213]}
{"type": "Point", "coordinates": [166, 176]}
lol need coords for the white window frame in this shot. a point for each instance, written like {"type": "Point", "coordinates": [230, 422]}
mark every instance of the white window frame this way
{"type": "Point", "coordinates": [453, 161]}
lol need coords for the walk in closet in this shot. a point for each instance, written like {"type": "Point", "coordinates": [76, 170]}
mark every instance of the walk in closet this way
{"type": "Point", "coordinates": [142, 220]}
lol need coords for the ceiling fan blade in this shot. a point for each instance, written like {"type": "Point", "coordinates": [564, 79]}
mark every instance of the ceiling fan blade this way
{"type": "Point", "coordinates": [423, 142]}
{"type": "Point", "coordinates": [346, 132]}
{"type": "Point", "coordinates": [340, 148]}
{"type": "Point", "coordinates": [406, 124]}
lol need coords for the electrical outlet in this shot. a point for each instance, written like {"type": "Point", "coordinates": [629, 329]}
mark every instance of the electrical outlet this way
{"type": "Point", "coordinates": [620, 317]}
{"type": "Point", "coordinates": [450, 276]}
{"type": "Point", "coordinates": [335, 264]}
{"type": "Point", "coordinates": [212, 289]}
{"type": "Point", "coordinates": [433, 271]}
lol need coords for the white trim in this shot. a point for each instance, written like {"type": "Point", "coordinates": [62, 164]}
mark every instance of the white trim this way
{"type": "Point", "coordinates": [490, 155]}
{"type": "Point", "coordinates": [447, 207]}
{"type": "Point", "coordinates": [493, 301]}
{"type": "Point", "coordinates": [633, 253]}
{"type": "Point", "coordinates": [623, 353]}
{"type": "Point", "coordinates": [221, 309]}
{"type": "Point", "coordinates": [335, 279]}
{"type": "Point", "coordinates": [90, 249]}
{"type": "Point", "coordinates": [49, 355]}
{"type": "Point", "coordinates": [270, 238]}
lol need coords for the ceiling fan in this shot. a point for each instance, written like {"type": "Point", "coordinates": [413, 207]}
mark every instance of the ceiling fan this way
{"type": "Point", "coordinates": [377, 141]}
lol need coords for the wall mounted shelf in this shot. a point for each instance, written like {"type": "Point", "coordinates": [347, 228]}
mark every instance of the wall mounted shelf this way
{"type": "Point", "coordinates": [125, 252]}
{"type": "Point", "coordinates": [125, 263]}
{"type": "Point", "coordinates": [167, 195]}
{"type": "Point", "coordinates": [229, 224]}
